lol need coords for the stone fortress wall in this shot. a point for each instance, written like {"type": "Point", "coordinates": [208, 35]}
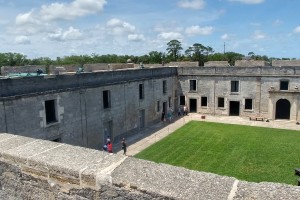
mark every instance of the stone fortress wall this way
{"type": "Point", "coordinates": [81, 119]}
{"type": "Point", "coordinates": [39, 169]}
{"type": "Point", "coordinates": [43, 169]}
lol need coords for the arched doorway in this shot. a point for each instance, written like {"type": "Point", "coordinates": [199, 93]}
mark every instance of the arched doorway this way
{"type": "Point", "coordinates": [283, 108]}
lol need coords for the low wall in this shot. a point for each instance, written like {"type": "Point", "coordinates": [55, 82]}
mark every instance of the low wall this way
{"type": "Point", "coordinates": [38, 169]}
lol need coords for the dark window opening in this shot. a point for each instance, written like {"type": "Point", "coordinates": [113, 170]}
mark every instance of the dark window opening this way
{"type": "Point", "coordinates": [284, 85]}
{"type": "Point", "coordinates": [141, 91]}
{"type": "Point", "coordinates": [170, 102]}
{"type": "Point", "coordinates": [193, 86]}
{"type": "Point", "coordinates": [248, 104]}
{"type": "Point", "coordinates": [204, 101]}
{"type": "Point", "coordinates": [164, 87]}
{"type": "Point", "coordinates": [50, 111]}
{"type": "Point", "coordinates": [182, 100]}
{"type": "Point", "coordinates": [106, 99]}
{"type": "Point", "coordinates": [221, 102]}
{"type": "Point", "coordinates": [234, 86]}
{"type": "Point", "coordinates": [158, 106]}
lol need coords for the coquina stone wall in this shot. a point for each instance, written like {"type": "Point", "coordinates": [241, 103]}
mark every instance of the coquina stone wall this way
{"type": "Point", "coordinates": [260, 84]}
{"type": "Point", "coordinates": [39, 169]}
{"type": "Point", "coordinates": [81, 118]}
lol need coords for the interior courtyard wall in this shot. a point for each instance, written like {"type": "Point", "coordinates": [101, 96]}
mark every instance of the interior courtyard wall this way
{"type": "Point", "coordinates": [254, 83]}
{"type": "Point", "coordinates": [80, 114]}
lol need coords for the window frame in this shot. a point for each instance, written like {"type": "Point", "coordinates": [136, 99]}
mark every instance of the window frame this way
{"type": "Point", "coordinates": [284, 85]}
{"type": "Point", "coordinates": [106, 98]}
{"type": "Point", "coordinates": [51, 115]}
{"type": "Point", "coordinates": [193, 85]}
{"type": "Point", "coordinates": [164, 87]}
{"type": "Point", "coordinates": [245, 107]}
{"type": "Point", "coordinates": [141, 91]}
{"type": "Point", "coordinates": [204, 99]}
{"type": "Point", "coordinates": [221, 102]}
{"type": "Point", "coordinates": [235, 86]}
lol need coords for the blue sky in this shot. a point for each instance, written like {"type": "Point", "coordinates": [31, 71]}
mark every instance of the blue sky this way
{"type": "Point", "coordinates": [56, 28]}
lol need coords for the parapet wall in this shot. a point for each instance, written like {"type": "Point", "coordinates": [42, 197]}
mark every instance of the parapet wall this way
{"type": "Point", "coordinates": [39, 84]}
{"type": "Point", "coordinates": [281, 63]}
{"type": "Point", "coordinates": [38, 169]}
{"type": "Point", "coordinates": [53, 69]}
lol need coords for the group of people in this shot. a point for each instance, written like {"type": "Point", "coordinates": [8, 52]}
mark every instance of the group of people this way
{"type": "Point", "coordinates": [109, 147]}
{"type": "Point", "coordinates": [169, 115]}
{"type": "Point", "coordinates": [182, 111]}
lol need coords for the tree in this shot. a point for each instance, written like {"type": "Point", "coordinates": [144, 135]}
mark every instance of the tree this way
{"type": "Point", "coordinates": [199, 52]}
{"type": "Point", "coordinates": [155, 57]}
{"type": "Point", "coordinates": [174, 48]}
{"type": "Point", "coordinates": [231, 57]}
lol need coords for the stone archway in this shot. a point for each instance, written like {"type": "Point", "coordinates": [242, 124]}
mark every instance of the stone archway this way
{"type": "Point", "coordinates": [283, 109]}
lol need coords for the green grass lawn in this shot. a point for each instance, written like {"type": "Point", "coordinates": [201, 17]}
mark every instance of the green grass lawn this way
{"type": "Point", "coordinates": [249, 153]}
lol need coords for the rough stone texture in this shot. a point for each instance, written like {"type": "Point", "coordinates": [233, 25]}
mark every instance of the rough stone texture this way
{"type": "Point", "coordinates": [254, 83]}
{"type": "Point", "coordinates": [174, 182]}
{"type": "Point", "coordinates": [266, 191]}
{"type": "Point", "coordinates": [216, 64]}
{"type": "Point", "coordinates": [53, 171]}
{"type": "Point", "coordinates": [81, 118]}
{"type": "Point", "coordinates": [250, 63]}
{"type": "Point", "coordinates": [282, 63]}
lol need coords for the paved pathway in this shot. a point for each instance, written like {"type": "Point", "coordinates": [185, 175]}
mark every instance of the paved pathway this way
{"type": "Point", "coordinates": [158, 131]}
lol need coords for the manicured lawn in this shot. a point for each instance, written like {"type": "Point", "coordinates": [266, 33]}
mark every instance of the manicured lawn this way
{"type": "Point", "coordinates": [249, 153]}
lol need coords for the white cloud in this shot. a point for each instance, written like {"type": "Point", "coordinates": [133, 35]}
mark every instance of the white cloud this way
{"type": "Point", "coordinates": [58, 11]}
{"type": "Point", "coordinates": [249, 1]}
{"type": "Point", "coordinates": [70, 34]}
{"type": "Point", "coordinates": [22, 40]}
{"type": "Point", "coordinates": [197, 30]}
{"type": "Point", "coordinates": [192, 4]}
{"type": "Point", "coordinates": [170, 36]}
{"type": "Point", "coordinates": [119, 27]}
{"type": "Point", "coordinates": [225, 36]}
{"type": "Point", "coordinates": [297, 29]}
{"type": "Point", "coordinates": [26, 18]}
{"type": "Point", "coordinates": [69, 11]}
{"type": "Point", "coordinates": [136, 37]}
{"type": "Point", "coordinates": [258, 35]}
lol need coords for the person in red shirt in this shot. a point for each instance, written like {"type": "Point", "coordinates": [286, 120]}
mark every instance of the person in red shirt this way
{"type": "Point", "coordinates": [109, 147]}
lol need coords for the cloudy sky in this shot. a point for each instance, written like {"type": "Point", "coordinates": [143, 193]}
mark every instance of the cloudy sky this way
{"type": "Point", "coordinates": [44, 28]}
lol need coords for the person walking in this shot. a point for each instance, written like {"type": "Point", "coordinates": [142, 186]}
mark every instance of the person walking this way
{"type": "Point", "coordinates": [109, 147]}
{"type": "Point", "coordinates": [124, 146]}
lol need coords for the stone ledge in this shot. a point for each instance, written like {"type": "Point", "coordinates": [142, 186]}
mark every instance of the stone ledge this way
{"type": "Point", "coordinates": [54, 169]}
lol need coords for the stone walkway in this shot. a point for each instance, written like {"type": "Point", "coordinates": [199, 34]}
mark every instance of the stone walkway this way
{"type": "Point", "coordinates": [155, 133]}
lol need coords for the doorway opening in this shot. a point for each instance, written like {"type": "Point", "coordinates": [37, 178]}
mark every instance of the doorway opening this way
{"type": "Point", "coordinates": [193, 105]}
{"type": "Point", "coordinates": [234, 108]}
{"type": "Point", "coordinates": [283, 108]}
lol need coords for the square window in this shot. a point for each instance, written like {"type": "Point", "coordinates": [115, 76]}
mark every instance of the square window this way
{"type": "Point", "coordinates": [193, 85]}
{"type": "Point", "coordinates": [234, 86]}
{"type": "Point", "coordinates": [141, 91]}
{"type": "Point", "coordinates": [204, 101]}
{"type": "Point", "coordinates": [164, 87]}
{"type": "Point", "coordinates": [221, 102]}
{"type": "Point", "coordinates": [284, 85]}
{"type": "Point", "coordinates": [106, 99]}
{"type": "Point", "coordinates": [50, 109]}
{"type": "Point", "coordinates": [248, 104]}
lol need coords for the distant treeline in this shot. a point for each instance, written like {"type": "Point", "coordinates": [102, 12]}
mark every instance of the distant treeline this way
{"type": "Point", "coordinates": [196, 52]}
